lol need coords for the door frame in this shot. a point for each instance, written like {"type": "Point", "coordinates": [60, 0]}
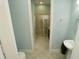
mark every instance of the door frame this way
{"type": "Point", "coordinates": [51, 26]}
{"type": "Point", "coordinates": [31, 23]}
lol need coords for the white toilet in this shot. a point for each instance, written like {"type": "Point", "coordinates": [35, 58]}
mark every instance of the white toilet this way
{"type": "Point", "coordinates": [22, 55]}
{"type": "Point", "coordinates": [69, 44]}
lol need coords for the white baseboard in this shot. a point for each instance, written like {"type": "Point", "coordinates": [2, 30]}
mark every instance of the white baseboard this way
{"type": "Point", "coordinates": [55, 50]}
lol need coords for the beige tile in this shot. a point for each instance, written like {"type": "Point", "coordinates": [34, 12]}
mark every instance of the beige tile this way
{"type": "Point", "coordinates": [41, 56]}
{"type": "Point", "coordinates": [41, 51]}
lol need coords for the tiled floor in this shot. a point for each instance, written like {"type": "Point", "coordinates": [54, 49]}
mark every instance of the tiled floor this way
{"type": "Point", "coordinates": [40, 50]}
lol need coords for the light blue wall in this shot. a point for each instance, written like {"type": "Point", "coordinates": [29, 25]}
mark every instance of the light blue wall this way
{"type": "Point", "coordinates": [20, 20]}
{"type": "Point", "coordinates": [72, 28]}
{"type": "Point", "coordinates": [61, 16]}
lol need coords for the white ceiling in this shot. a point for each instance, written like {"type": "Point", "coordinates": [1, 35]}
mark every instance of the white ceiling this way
{"type": "Point", "coordinates": [47, 2]}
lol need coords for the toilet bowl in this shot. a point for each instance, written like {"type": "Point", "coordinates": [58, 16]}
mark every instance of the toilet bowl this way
{"type": "Point", "coordinates": [69, 44]}
{"type": "Point", "coordinates": [22, 55]}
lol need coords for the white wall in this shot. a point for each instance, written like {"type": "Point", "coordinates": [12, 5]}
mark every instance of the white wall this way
{"type": "Point", "coordinates": [75, 51]}
{"type": "Point", "coordinates": [20, 19]}
{"type": "Point", "coordinates": [60, 17]}
{"type": "Point", "coordinates": [6, 32]}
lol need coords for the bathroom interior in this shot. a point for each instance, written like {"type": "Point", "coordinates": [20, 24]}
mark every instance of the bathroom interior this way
{"type": "Point", "coordinates": [41, 17]}
{"type": "Point", "coordinates": [41, 23]}
{"type": "Point", "coordinates": [39, 29]}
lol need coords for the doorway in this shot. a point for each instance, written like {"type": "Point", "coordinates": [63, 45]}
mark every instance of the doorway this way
{"type": "Point", "coordinates": [41, 24]}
